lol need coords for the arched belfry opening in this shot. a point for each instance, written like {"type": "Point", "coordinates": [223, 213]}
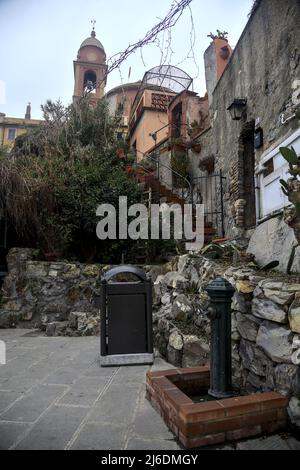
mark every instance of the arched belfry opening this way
{"type": "Point", "coordinates": [90, 82]}
{"type": "Point", "coordinates": [90, 69]}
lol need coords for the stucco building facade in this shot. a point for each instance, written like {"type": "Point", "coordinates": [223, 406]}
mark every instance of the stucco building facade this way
{"type": "Point", "coordinates": [11, 128]}
{"type": "Point", "coordinates": [120, 100]}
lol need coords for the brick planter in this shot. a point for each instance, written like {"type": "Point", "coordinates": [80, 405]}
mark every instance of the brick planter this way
{"type": "Point", "coordinates": [211, 422]}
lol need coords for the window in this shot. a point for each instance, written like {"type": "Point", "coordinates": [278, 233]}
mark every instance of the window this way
{"type": "Point", "coordinates": [272, 169]}
{"type": "Point", "coordinates": [269, 167]}
{"type": "Point", "coordinates": [11, 134]}
{"type": "Point", "coordinates": [177, 121]}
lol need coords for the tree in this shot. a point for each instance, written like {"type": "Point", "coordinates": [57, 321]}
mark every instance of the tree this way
{"type": "Point", "coordinates": [56, 176]}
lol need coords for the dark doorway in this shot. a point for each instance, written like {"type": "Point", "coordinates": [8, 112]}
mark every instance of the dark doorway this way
{"type": "Point", "coordinates": [177, 121]}
{"type": "Point", "coordinates": [247, 160]}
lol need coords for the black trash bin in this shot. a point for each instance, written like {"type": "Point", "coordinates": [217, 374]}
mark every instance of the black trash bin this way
{"type": "Point", "coordinates": [126, 318]}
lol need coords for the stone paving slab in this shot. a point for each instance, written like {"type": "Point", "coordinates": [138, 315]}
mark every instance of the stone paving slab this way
{"type": "Point", "coordinates": [84, 392]}
{"type": "Point", "coordinates": [148, 423]}
{"type": "Point", "coordinates": [7, 398]}
{"type": "Point", "coordinates": [268, 443]}
{"type": "Point", "coordinates": [22, 383]}
{"type": "Point", "coordinates": [101, 436]}
{"type": "Point", "coordinates": [54, 429]}
{"type": "Point", "coordinates": [117, 405]}
{"type": "Point", "coordinates": [151, 444]}
{"type": "Point", "coordinates": [293, 443]}
{"type": "Point", "coordinates": [93, 370]}
{"type": "Point", "coordinates": [65, 375]}
{"type": "Point", "coordinates": [10, 433]}
{"type": "Point", "coordinates": [32, 405]}
{"type": "Point", "coordinates": [55, 395]}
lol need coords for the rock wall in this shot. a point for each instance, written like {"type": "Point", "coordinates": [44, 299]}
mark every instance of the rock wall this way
{"type": "Point", "coordinates": [265, 332]}
{"type": "Point", "coordinates": [56, 297]}
{"type": "Point", "coordinates": [274, 240]}
{"type": "Point", "coordinates": [265, 324]}
{"type": "Point", "coordinates": [181, 326]}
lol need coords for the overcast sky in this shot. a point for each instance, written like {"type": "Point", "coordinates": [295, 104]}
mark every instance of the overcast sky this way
{"type": "Point", "coordinates": [40, 39]}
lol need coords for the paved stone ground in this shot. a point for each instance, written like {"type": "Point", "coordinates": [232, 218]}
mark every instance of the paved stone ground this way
{"type": "Point", "coordinates": [54, 395]}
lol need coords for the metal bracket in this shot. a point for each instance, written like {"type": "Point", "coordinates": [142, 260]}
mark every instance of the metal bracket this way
{"type": "Point", "coordinates": [284, 120]}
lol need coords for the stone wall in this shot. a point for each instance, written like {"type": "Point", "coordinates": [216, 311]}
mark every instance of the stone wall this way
{"type": "Point", "coordinates": [263, 67]}
{"type": "Point", "coordinates": [274, 240]}
{"type": "Point", "coordinates": [56, 297]}
{"type": "Point", "coordinates": [265, 324]}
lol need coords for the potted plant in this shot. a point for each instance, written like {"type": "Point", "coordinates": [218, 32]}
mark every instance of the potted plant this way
{"type": "Point", "coordinates": [193, 131]}
{"type": "Point", "coordinates": [180, 166]}
{"type": "Point", "coordinates": [207, 163]}
{"type": "Point", "coordinates": [196, 147]}
{"type": "Point", "coordinates": [148, 165]}
{"type": "Point", "coordinates": [291, 189]}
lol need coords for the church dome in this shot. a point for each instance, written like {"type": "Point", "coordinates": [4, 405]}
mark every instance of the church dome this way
{"type": "Point", "coordinates": [92, 41]}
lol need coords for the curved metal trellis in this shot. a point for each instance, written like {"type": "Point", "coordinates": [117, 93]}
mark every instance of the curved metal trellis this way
{"type": "Point", "coordinates": [164, 78]}
{"type": "Point", "coordinates": [168, 77]}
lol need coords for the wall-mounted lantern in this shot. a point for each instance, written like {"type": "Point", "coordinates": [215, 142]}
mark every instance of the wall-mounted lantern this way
{"type": "Point", "coordinates": [258, 138]}
{"type": "Point", "coordinates": [237, 109]}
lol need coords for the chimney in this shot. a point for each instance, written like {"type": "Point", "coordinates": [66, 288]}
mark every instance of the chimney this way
{"type": "Point", "coordinates": [216, 58]}
{"type": "Point", "coordinates": [28, 111]}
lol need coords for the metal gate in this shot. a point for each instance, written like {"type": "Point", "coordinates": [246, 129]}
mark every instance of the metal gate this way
{"type": "Point", "coordinates": [209, 190]}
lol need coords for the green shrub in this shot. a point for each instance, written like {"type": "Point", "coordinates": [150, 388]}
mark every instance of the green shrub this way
{"type": "Point", "coordinates": [59, 173]}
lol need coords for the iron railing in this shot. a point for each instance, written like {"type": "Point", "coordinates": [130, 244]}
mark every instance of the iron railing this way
{"type": "Point", "coordinates": [206, 189]}
{"type": "Point", "coordinates": [184, 190]}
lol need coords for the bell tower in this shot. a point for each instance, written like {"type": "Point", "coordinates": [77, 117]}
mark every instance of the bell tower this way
{"type": "Point", "coordinates": [90, 68]}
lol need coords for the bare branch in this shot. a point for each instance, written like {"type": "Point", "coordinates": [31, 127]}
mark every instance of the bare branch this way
{"type": "Point", "coordinates": [151, 36]}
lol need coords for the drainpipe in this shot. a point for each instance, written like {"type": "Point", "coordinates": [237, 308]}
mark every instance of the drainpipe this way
{"type": "Point", "coordinates": [258, 195]}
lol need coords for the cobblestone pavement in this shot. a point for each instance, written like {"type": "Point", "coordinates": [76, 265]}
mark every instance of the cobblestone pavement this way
{"type": "Point", "coordinates": [54, 395]}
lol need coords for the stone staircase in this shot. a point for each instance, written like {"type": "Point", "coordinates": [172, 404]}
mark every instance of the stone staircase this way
{"type": "Point", "coordinates": [154, 192]}
{"type": "Point", "coordinates": [160, 193]}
